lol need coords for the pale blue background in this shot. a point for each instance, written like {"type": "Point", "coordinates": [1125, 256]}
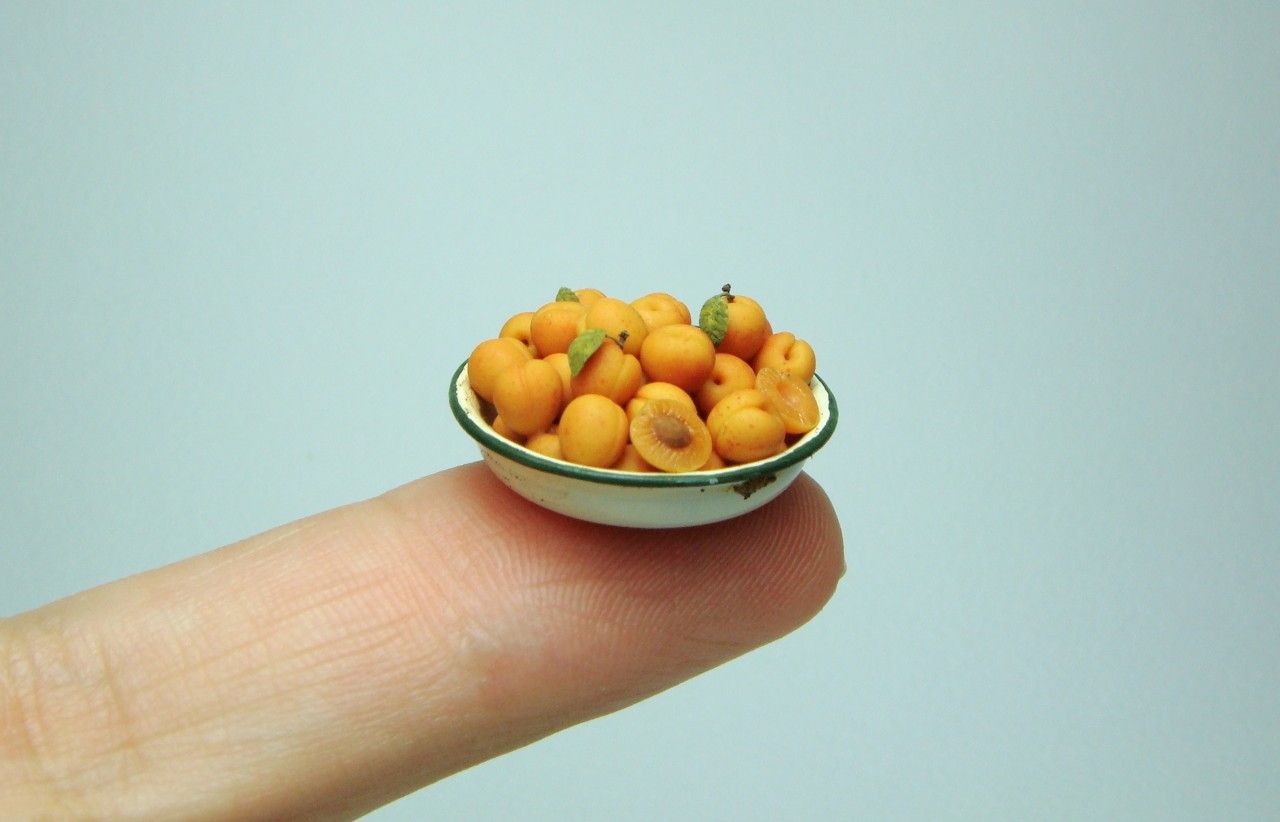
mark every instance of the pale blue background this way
{"type": "Point", "coordinates": [243, 246]}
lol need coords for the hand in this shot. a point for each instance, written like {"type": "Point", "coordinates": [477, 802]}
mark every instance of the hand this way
{"type": "Point", "coordinates": [332, 665]}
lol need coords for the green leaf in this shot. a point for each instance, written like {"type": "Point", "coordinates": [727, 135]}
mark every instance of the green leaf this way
{"type": "Point", "coordinates": [566, 295]}
{"type": "Point", "coordinates": [582, 347]}
{"type": "Point", "coordinates": [714, 317]}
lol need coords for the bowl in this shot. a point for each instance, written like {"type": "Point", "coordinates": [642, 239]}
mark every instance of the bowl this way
{"type": "Point", "coordinates": [630, 499]}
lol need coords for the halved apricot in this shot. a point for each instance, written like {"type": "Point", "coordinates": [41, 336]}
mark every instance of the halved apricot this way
{"type": "Point", "coordinates": [791, 400]}
{"type": "Point", "coordinates": [657, 391]}
{"type": "Point", "coordinates": [670, 436]}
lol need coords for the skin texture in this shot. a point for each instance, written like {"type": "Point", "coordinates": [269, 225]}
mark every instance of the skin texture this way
{"type": "Point", "coordinates": [748, 328]}
{"type": "Point", "coordinates": [332, 665]}
{"type": "Point", "coordinates": [614, 317]}
{"type": "Point", "coordinates": [504, 430]}
{"type": "Point", "coordinates": [561, 364]}
{"type": "Point", "coordinates": [729, 374]}
{"type": "Point", "coordinates": [682, 355]}
{"type": "Point", "coordinates": [554, 325]}
{"type": "Point", "coordinates": [589, 296]}
{"type": "Point", "coordinates": [528, 396]}
{"type": "Point", "coordinates": [518, 327]}
{"type": "Point", "coordinates": [659, 309]}
{"type": "Point", "coordinates": [489, 359]}
{"type": "Point", "coordinates": [546, 443]}
{"type": "Point", "coordinates": [787, 355]}
{"type": "Point", "coordinates": [593, 431]}
{"type": "Point", "coordinates": [610, 373]}
{"type": "Point", "coordinates": [632, 461]}
{"type": "Point", "coordinates": [744, 427]}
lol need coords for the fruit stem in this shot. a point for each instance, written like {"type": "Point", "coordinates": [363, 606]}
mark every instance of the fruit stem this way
{"type": "Point", "coordinates": [725, 288]}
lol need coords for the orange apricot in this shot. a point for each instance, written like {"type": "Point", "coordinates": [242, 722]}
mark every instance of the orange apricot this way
{"type": "Point", "coordinates": [610, 373]}
{"type": "Point", "coordinates": [589, 296]}
{"type": "Point", "coordinates": [546, 443]}
{"type": "Point", "coordinates": [747, 329]}
{"type": "Point", "coordinates": [616, 318]}
{"type": "Point", "coordinates": [744, 427]}
{"type": "Point", "coordinates": [489, 359]}
{"type": "Point", "coordinates": [714, 462]}
{"type": "Point", "coordinates": [527, 396]}
{"type": "Point", "coordinates": [632, 461]}
{"type": "Point", "coordinates": [670, 436]}
{"type": "Point", "coordinates": [518, 327]}
{"type": "Point", "coordinates": [657, 391]}
{"type": "Point", "coordinates": [790, 399]}
{"type": "Point", "coordinates": [561, 364]}
{"type": "Point", "coordinates": [501, 428]}
{"type": "Point", "coordinates": [729, 374]}
{"type": "Point", "coordinates": [682, 355]}
{"type": "Point", "coordinates": [659, 309]}
{"type": "Point", "coordinates": [554, 326]}
{"type": "Point", "coordinates": [593, 431]}
{"type": "Point", "coordinates": [786, 354]}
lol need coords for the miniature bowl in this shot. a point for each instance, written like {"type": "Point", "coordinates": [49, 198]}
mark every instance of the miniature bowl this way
{"type": "Point", "coordinates": [630, 499]}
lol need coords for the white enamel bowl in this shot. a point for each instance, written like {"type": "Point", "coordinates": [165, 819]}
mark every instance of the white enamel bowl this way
{"type": "Point", "coordinates": [637, 500]}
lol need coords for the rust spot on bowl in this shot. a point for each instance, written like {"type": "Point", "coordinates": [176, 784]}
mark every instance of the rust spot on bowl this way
{"type": "Point", "coordinates": [746, 489]}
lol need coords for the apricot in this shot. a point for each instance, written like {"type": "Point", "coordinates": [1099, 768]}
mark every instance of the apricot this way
{"type": "Point", "coordinates": [553, 327]}
{"type": "Point", "coordinates": [659, 309]}
{"type": "Point", "coordinates": [744, 427]}
{"type": "Point", "coordinates": [729, 374]}
{"type": "Point", "coordinates": [671, 436]}
{"type": "Point", "coordinates": [632, 461]}
{"type": "Point", "coordinates": [784, 353]}
{"type": "Point", "coordinates": [528, 396]}
{"type": "Point", "coordinates": [589, 296]}
{"type": "Point", "coordinates": [616, 318]}
{"type": "Point", "coordinates": [593, 431]}
{"type": "Point", "coordinates": [518, 327]}
{"type": "Point", "coordinates": [546, 443]}
{"type": "Point", "coordinates": [682, 355]}
{"type": "Point", "coordinates": [491, 358]}
{"type": "Point", "coordinates": [501, 428]}
{"type": "Point", "coordinates": [714, 462]}
{"type": "Point", "coordinates": [747, 329]}
{"type": "Point", "coordinates": [610, 373]}
{"type": "Point", "coordinates": [790, 399]}
{"type": "Point", "coordinates": [657, 391]}
{"type": "Point", "coordinates": [560, 362]}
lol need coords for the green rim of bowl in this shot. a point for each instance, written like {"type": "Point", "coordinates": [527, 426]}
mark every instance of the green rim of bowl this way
{"type": "Point", "coordinates": [487, 438]}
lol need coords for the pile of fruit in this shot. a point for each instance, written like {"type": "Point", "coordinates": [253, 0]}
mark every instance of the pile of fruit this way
{"type": "Point", "coordinates": [638, 387]}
